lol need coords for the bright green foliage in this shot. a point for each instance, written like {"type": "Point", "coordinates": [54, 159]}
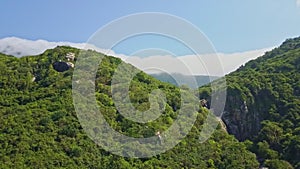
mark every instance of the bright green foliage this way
{"type": "Point", "coordinates": [39, 127]}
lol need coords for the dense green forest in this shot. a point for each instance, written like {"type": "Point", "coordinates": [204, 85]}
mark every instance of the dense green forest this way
{"type": "Point", "coordinates": [39, 127]}
{"type": "Point", "coordinates": [263, 105]}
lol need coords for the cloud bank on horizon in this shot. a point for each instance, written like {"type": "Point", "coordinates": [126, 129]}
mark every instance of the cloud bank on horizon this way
{"type": "Point", "coordinates": [188, 64]}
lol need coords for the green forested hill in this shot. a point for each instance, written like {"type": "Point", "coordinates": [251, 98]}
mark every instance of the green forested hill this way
{"type": "Point", "coordinates": [39, 127]}
{"type": "Point", "coordinates": [263, 105]}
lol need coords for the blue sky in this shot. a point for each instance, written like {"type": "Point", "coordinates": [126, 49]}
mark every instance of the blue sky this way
{"type": "Point", "coordinates": [232, 25]}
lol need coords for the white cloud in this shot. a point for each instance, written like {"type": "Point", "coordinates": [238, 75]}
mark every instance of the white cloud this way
{"type": "Point", "coordinates": [298, 3]}
{"type": "Point", "coordinates": [22, 47]}
{"type": "Point", "coordinates": [196, 65]}
{"type": "Point", "coordinates": [189, 64]}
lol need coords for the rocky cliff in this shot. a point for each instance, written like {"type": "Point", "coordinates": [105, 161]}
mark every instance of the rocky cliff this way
{"type": "Point", "coordinates": [263, 103]}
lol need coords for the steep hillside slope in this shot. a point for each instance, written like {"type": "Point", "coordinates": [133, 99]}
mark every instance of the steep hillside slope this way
{"type": "Point", "coordinates": [263, 104]}
{"type": "Point", "coordinates": [39, 127]}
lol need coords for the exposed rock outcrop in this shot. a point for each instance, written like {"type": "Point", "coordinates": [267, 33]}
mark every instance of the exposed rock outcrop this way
{"type": "Point", "coordinates": [204, 103]}
{"type": "Point", "coordinates": [243, 118]}
{"type": "Point", "coordinates": [61, 66]}
{"type": "Point", "coordinates": [70, 56]}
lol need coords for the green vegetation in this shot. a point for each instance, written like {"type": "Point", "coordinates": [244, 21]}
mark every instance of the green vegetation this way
{"type": "Point", "coordinates": [263, 105]}
{"type": "Point", "coordinates": [39, 127]}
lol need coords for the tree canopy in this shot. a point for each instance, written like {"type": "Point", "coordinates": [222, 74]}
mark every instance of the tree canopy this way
{"type": "Point", "coordinates": [39, 127]}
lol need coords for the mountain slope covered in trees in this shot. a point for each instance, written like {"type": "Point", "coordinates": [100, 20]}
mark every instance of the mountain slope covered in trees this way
{"type": "Point", "coordinates": [39, 127]}
{"type": "Point", "coordinates": [263, 105]}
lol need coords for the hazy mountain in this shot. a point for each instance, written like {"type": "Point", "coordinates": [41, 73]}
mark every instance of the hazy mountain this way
{"type": "Point", "coordinates": [188, 80]}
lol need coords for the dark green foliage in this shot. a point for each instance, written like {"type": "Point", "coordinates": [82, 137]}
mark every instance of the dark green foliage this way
{"type": "Point", "coordinates": [278, 164]}
{"type": "Point", "coordinates": [263, 105]}
{"type": "Point", "coordinates": [39, 127]}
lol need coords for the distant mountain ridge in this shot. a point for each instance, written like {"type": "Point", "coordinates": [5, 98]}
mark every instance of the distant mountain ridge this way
{"type": "Point", "coordinates": [188, 80]}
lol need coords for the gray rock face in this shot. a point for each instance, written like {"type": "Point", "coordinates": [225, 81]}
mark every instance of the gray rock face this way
{"type": "Point", "coordinates": [239, 120]}
{"type": "Point", "coordinates": [243, 118]}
